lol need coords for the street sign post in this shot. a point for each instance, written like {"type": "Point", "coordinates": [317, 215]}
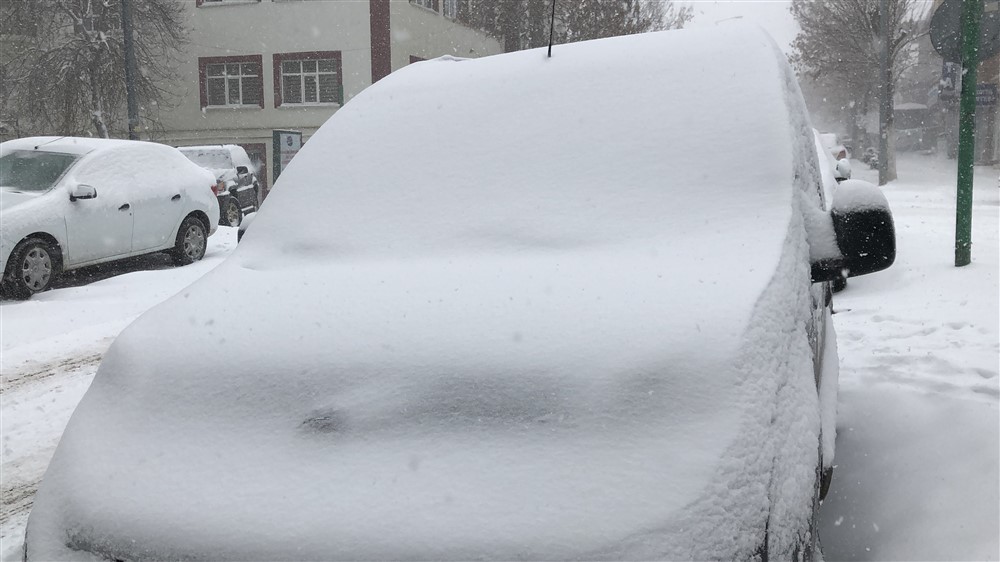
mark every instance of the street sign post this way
{"type": "Point", "coordinates": [971, 14]}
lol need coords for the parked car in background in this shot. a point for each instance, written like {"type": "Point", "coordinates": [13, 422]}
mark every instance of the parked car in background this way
{"type": "Point", "coordinates": [836, 148]}
{"type": "Point", "coordinates": [916, 127]}
{"type": "Point", "coordinates": [70, 202]}
{"type": "Point", "coordinates": [238, 187]}
{"type": "Point", "coordinates": [600, 331]}
{"type": "Point", "coordinates": [832, 173]}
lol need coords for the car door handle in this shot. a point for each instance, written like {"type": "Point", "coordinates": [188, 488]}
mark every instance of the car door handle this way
{"type": "Point", "coordinates": [124, 207]}
{"type": "Point", "coordinates": [176, 197]}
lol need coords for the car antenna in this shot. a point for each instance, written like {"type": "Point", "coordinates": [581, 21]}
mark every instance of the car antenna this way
{"type": "Point", "coordinates": [552, 27]}
{"type": "Point", "coordinates": [50, 142]}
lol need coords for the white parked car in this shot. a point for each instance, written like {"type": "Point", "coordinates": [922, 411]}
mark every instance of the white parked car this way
{"type": "Point", "coordinates": [70, 202]}
{"type": "Point", "coordinates": [599, 329]}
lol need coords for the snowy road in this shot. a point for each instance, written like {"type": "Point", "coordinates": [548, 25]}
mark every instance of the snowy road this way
{"type": "Point", "coordinates": [918, 432]}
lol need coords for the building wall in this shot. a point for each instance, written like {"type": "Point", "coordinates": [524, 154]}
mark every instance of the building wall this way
{"type": "Point", "coordinates": [422, 33]}
{"type": "Point", "coordinates": [268, 27]}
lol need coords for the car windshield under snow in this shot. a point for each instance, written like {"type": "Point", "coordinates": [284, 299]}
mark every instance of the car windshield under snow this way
{"type": "Point", "coordinates": [215, 159]}
{"type": "Point", "coordinates": [31, 170]}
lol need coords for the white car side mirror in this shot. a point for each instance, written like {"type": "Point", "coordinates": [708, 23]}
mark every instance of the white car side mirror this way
{"type": "Point", "coordinates": [843, 171]}
{"type": "Point", "coordinates": [82, 191]}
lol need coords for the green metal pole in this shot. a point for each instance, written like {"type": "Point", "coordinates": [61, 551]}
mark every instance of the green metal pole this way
{"type": "Point", "coordinates": [972, 11]}
{"type": "Point", "coordinates": [884, 94]}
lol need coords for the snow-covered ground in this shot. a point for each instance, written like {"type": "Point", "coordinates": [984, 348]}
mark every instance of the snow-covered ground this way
{"type": "Point", "coordinates": [50, 347]}
{"type": "Point", "coordinates": [918, 445]}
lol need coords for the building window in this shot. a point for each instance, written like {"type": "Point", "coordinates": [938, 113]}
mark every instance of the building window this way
{"type": "Point", "coordinates": [231, 81]}
{"type": "Point", "coordinates": [308, 78]}
{"type": "Point", "coordinates": [450, 9]}
{"type": "Point", "coordinates": [429, 4]}
{"type": "Point", "coordinates": [200, 3]}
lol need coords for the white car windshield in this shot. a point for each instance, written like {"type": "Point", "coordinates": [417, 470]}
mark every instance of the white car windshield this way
{"type": "Point", "coordinates": [32, 170]}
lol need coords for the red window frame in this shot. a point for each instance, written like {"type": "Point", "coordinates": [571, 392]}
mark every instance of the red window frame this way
{"type": "Point", "coordinates": [279, 58]}
{"type": "Point", "coordinates": [436, 5]}
{"type": "Point", "coordinates": [203, 63]}
{"type": "Point", "coordinates": [199, 3]}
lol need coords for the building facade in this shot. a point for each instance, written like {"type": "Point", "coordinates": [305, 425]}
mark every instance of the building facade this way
{"type": "Point", "coordinates": [255, 66]}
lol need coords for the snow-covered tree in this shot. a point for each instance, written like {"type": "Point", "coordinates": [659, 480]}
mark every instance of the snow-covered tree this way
{"type": "Point", "coordinates": [524, 24]}
{"type": "Point", "coordinates": [839, 46]}
{"type": "Point", "coordinates": [63, 68]}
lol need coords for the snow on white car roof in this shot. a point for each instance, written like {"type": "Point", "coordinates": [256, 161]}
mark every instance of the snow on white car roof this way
{"type": "Point", "coordinates": [65, 145]}
{"type": "Point", "coordinates": [516, 324]}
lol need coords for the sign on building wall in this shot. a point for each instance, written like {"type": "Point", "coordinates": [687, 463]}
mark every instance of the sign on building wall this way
{"type": "Point", "coordinates": [286, 146]}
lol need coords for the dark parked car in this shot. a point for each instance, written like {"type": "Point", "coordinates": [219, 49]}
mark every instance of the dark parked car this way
{"type": "Point", "coordinates": [597, 327]}
{"type": "Point", "coordinates": [237, 185]}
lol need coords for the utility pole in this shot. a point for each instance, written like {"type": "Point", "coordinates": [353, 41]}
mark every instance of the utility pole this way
{"type": "Point", "coordinates": [972, 12]}
{"type": "Point", "coordinates": [885, 95]}
{"type": "Point", "coordinates": [128, 47]}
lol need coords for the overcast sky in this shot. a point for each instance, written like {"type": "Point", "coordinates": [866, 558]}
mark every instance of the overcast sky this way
{"type": "Point", "coordinates": [772, 15]}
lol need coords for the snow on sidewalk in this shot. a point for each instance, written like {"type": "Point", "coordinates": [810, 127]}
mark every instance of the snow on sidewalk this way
{"type": "Point", "coordinates": [918, 444]}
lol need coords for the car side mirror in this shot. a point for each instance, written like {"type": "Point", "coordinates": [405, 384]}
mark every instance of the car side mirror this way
{"type": "Point", "coordinates": [843, 170]}
{"type": "Point", "coordinates": [865, 233]}
{"type": "Point", "coordinates": [82, 191]}
{"type": "Point", "coordinates": [241, 170]}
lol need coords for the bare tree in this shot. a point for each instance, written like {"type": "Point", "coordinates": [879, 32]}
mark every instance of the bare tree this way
{"type": "Point", "coordinates": [524, 24]}
{"type": "Point", "coordinates": [839, 45]}
{"type": "Point", "coordinates": [65, 70]}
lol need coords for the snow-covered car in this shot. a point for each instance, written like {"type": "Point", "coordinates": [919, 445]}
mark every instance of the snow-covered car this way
{"type": "Point", "coordinates": [237, 186]}
{"type": "Point", "coordinates": [599, 329]}
{"type": "Point", "coordinates": [71, 202]}
{"type": "Point", "coordinates": [836, 148]}
{"type": "Point", "coordinates": [832, 171]}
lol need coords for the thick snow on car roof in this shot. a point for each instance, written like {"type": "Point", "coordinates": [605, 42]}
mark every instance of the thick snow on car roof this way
{"type": "Point", "coordinates": [65, 145]}
{"type": "Point", "coordinates": [513, 307]}
{"type": "Point", "coordinates": [525, 151]}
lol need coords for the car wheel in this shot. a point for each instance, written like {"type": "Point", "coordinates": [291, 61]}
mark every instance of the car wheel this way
{"type": "Point", "coordinates": [192, 239]}
{"type": "Point", "coordinates": [34, 264]}
{"type": "Point", "coordinates": [233, 212]}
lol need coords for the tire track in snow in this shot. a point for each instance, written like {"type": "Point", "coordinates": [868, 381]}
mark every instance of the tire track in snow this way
{"type": "Point", "coordinates": [37, 400]}
{"type": "Point", "coordinates": [17, 499]}
{"type": "Point", "coordinates": [35, 373]}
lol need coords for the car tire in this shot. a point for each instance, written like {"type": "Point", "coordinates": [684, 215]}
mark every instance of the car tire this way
{"type": "Point", "coordinates": [33, 266]}
{"type": "Point", "coordinates": [192, 239]}
{"type": "Point", "coordinates": [232, 212]}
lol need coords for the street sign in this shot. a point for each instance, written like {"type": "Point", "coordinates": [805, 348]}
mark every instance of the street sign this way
{"type": "Point", "coordinates": [946, 30]}
{"type": "Point", "coordinates": [986, 94]}
{"type": "Point", "coordinates": [951, 80]}
{"type": "Point", "coordinates": [286, 146]}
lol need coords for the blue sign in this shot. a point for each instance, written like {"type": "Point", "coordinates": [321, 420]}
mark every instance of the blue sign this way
{"type": "Point", "coordinates": [986, 94]}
